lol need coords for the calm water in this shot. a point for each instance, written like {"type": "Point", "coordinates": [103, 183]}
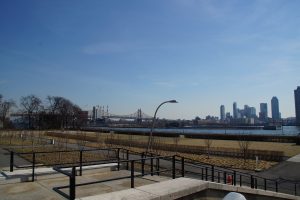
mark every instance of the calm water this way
{"type": "Point", "coordinates": [287, 130]}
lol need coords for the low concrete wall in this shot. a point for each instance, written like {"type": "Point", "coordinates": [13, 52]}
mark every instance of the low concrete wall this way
{"type": "Point", "coordinates": [187, 189]}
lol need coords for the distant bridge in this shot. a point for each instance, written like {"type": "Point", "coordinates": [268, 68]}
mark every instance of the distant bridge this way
{"type": "Point", "coordinates": [138, 115]}
{"type": "Point", "coordinates": [99, 112]}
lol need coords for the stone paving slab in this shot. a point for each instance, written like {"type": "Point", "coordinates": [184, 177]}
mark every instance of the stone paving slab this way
{"type": "Point", "coordinates": [28, 191]}
{"type": "Point", "coordinates": [129, 194]}
{"type": "Point", "coordinates": [175, 188]}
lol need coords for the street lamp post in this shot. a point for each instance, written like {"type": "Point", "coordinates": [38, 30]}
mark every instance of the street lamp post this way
{"type": "Point", "coordinates": [150, 139]}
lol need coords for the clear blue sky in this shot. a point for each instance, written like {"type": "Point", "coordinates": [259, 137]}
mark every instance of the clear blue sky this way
{"type": "Point", "coordinates": [136, 54]}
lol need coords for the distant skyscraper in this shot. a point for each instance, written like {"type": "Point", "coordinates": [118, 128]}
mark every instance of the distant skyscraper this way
{"type": "Point", "coordinates": [297, 104]}
{"type": "Point", "coordinates": [235, 111]}
{"type": "Point", "coordinates": [94, 113]}
{"type": "Point", "coordinates": [275, 108]}
{"type": "Point", "coordinates": [252, 112]}
{"type": "Point", "coordinates": [263, 115]}
{"type": "Point", "coordinates": [222, 112]}
{"type": "Point", "coordinates": [228, 115]}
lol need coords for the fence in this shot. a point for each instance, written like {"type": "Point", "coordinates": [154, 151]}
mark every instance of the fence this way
{"type": "Point", "coordinates": [229, 152]}
{"type": "Point", "coordinates": [141, 164]}
{"type": "Point", "coordinates": [83, 157]}
{"type": "Point", "coordinates": [142, 161]}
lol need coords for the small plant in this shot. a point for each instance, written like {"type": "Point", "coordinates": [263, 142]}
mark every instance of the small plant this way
{"type": "Point", "coordinates": [244, 146]}
{"type": "Point", "coordinates": [208, 144]}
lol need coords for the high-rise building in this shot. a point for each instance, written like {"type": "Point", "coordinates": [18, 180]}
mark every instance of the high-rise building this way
{"type": "Point", "coordinates": [252, 111]}
{"type": "Point", "coordinates": [94, 113]}
{"type": "Point", "coordinates": [275, 108]}
{"type": "Point", "coordinates": [222, 112]}
{"type": "Point", "coordinates": [235, 110]}
{"type": "Point", "coordinates": [263, 114]}
{"type": "Point", "coordinates": [297, 104]}
{"type": "Point", "coordinates": [228, 116]}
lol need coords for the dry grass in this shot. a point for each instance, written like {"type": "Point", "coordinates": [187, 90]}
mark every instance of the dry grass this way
{"type": "Point", "coordinates": [289, 149]}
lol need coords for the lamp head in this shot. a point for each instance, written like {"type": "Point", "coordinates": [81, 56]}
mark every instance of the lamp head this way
{"type": "Point", "coordinates": [172, 101]}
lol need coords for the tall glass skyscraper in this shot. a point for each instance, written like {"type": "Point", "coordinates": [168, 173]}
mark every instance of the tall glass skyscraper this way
{"type": "Point", "coordinates": [297, 104]}
{"type": "Point", "coordinates": [263, 115]}
{"type": "Point", "coordinates": [275, 108]}
{"type": "Point", "coordinates": [235, 112]}
{"type": "Point", "coordinates": [222, 112]}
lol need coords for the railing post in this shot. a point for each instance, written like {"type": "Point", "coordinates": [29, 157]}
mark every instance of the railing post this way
{"type": "Point", "coordinates": [33, 166]}
{"type": "Point", "coordinates": [143, 164]}
{"type": "Point", "coordinates": [213, 173]}
{"type": "Point", "coordinates": [151, 160]}
{"type": "Point", "coordinates": [132, 174]}
{"type": "Point", "coordinates": [182, 166]}
{"type": "Point", "coordinates": [127, 158]}
{"type": "Point", "coordinates": [11, 169]}
{"type": "Point", "coordinates": [80, 163]}
{"type": "Point", "coordinates": [234, 178]}
{"type": "Point", "coordinates": [118, 158]}
{"type": "Point", "coordinates": [252, 184]}
{"type": "Point", "coordinates": [73, 184]}
{"type": "Point", "coordinates": [224, 177]}
{"type": "Point", "coordinates": [173, 167]}
{"type": "Point", "coordinates": [202, 175]}
{"type": "Point", "coordinates": [241, 180]}
{"type": "Point", "coordinates": [265, 184]}
{"type": "Point", "coordinates": [218, 177]}
{"type": "Point", "coordinates": [295, 189]}
{"type": "Point", "coordinates": [255, 183]}
{"type": "Point", "coordinates": [206, 175]}
{"type": "Point", "coordinates": [157, 166]}
{"type": "Point", "coordinates": [276, 184]}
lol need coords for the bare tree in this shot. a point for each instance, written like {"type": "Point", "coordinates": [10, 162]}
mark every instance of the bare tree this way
{"type": "Point", "coordinates": [66, 140]}
{"type": "Point", "coordinates": [5, 107]}
{"type": "Point", "coordinates": [208, 143]}
{"type": "Point", "coordinates": [157, 143]}
{"type": "Point", "coordinates": [30, 105]}
{"type": "Point", "coordinates": [23, 139]}
{"type": "Point", "coordinates": [32, 138]}
{"type": "Point", "coordinates": [11, 136]}
{"type": "Point", "coordinates": [81, 140]}
{"type": "Point", "coordinates": [1, 136]}
{"type": "Point", "coordinates": [100, 141]}
{"type": "Point", "coordinates": [244, 146]}
{"type": "Point", "coordinates": [176, 141]}
{"type": "Point", "coordinates": [130, 141]}
{"type": "Point", "coordinates": [64, 110]}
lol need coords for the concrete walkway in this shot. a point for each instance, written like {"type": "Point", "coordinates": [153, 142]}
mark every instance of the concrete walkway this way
{"type": "Point", "coordinates": [286, 170]}
{"type": "Point", "coordinates": [295, 159]}
{"type": "Point", "coordinates": [5, 160]}
{"type": "Point", "coordinates": [187, 188]}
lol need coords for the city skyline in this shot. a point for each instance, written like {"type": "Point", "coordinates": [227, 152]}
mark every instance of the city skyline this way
{"type": "Point", "coordinates": [297, 104]}
{"type": "Point", "coordinates": [137, 54]}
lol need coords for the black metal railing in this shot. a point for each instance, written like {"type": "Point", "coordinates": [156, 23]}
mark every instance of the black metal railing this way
{"type": "Point", "coordinates": [141, 164]}
{"type": "Point", "coordinates": [81, 161]}
{"type": "Point", "coordinates": [142, 161]}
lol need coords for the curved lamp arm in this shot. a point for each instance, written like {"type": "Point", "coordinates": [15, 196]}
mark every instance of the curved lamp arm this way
{"type": "Point", "coordinates": [150, 138]}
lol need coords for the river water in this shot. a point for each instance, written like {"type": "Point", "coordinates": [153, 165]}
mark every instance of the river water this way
{"type": "Point", "coordinates": [286, 130]}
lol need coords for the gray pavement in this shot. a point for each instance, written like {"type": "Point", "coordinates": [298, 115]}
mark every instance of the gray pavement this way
{"type": "Point", "coordinates": [42, 188]}
{"type": "Point", "coordinates": [286, 170]}
{"type": "Point", "coordinates": [5, 160]}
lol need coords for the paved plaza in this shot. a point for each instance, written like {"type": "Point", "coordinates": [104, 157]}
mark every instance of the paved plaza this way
{"type": "Point", "coordinates": [147, 187]}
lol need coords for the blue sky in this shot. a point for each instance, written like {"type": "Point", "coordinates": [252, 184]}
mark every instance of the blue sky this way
{"type": "Point", "coordinates": [136, 54]}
